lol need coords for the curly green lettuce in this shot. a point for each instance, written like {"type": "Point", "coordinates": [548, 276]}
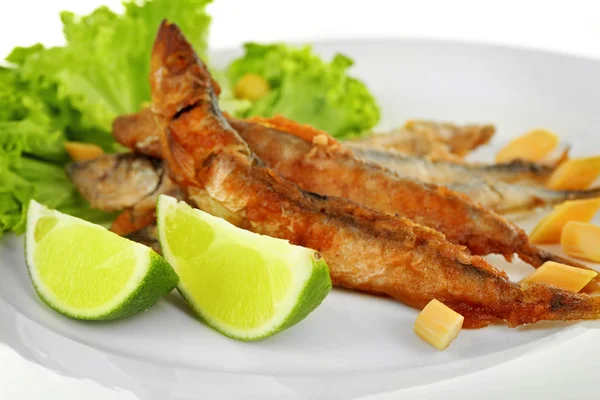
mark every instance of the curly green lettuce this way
{"type": "Point", "coordinates": [32, 154]}
{"type": "Point", "coordinates": [307, 89]}
{"type": "Point", "coordinates": [103, 68]}
{"type": "Point", "coordinates": [74, 92]}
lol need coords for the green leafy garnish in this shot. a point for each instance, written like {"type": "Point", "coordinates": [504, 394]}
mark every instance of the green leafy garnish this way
{"type": "Point", "coordinates": [103, 69]}
{"type": "Point", "coordinates": [74, 92]}
{"type": "Point", "coordinates": [306, 89]}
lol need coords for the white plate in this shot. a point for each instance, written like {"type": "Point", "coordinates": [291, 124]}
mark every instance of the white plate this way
{"type": "Point", "coordinates": [353, 345]}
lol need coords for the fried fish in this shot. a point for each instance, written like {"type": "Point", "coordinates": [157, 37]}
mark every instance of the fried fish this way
{"type": "Point", "coordinates": [328, 168]}
{"type": "Point", "coordinates": [504, 188]}
{"type": "Point", "coordinates": [442, 172]}
{"type": "Point", "coordinates": [365, 250]}
{"type": "Point", "coordinates": [436, 141]}
{"type": "Point", "coordinates": [123, 182]}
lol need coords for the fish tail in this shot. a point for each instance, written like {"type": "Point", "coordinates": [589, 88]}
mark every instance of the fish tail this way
{"type": "Point", "coordinates": [541, 302]}
{"type": "Point", "coordinates": [593, 286]}
{"type": "Point", "coordinates": [537, 257]}
{"type": "Point", "coordinates": [578, 194]}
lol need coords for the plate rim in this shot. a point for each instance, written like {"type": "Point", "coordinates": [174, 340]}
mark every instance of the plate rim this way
{"type": "Point", "coordinates": [573, 330]}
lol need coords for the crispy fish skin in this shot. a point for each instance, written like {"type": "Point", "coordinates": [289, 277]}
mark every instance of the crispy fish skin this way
{"type": "Point", "coordinates": [128, 128]}
{"type": "Point", "coordinates": [332, 170]}
{"type": "Point", "coordinates": [408, 143]}
{"type": "Point", "coordinates": [504, 197]}
{"type": "Point", "coordinates": [461, 139]}
{"type": "Point", "coordinates": [138, 132]}
{"type": "Point", "coordinates": [365, 250]}
{"type": "Point", "coordinates": [329, 169]}
{"type": "Point", "coordinates": [442, 172]}
{"type": "Point", "coordinates": [437, 141]}
{"type": "Point", "coordinates": [115, 182]}
{"type": "Point", "coordinates": [137, 221]}
{"type": "Point", "coordinates": [503, 188]}
{"type": "Point", "coordinates": [123, 182]}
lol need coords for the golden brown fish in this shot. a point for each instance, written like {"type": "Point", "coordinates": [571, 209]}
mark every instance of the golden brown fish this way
{"type": "Point", "coordinates": [136, 131]}
{"type": "Point", "coordinates": [461, 139]}
{"type": "Point", "coordinates": [408, 143]}
{"type": "Point", "coordinates": [365, 250]}
{"type": "Point", "coordinates": [504, 197]}
{"type": "Point", "coordinates": [503, 188]}
{"type": "Point", "coordinates": [443, 172]}
{"type": "Point", "coordinates": [123, 182]}
{"type": "Point", "coordinates": [330, 169]}
{"type": "Point", "coordinates": [115, 182]}
{"type": "Point", "coordinates": [436, 141]}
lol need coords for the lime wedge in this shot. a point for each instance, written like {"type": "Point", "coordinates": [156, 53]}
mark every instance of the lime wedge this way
{"type": "Point", "coordinates": [244, 285]}
{"type": "Point", "coordinates": [84, 271]}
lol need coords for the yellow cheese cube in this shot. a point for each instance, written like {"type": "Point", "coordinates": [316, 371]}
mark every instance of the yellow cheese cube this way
{"type": "Point", "coordinates": [561, 276]}
{"type": "Point", "coordinates": [438, 324]}
{"type": "Point", "coordinates": [575, 174]}
{"type": "Point", "coordinates": [582, 240]}
{"type": "Point", "coordinates": [251, 87]}
{"type": "Point", "coordinates": [83, 151]}
{"type": "Point", "coordinates": [549, 229]}
{"type": "Point", "coordinates": [534, 145]}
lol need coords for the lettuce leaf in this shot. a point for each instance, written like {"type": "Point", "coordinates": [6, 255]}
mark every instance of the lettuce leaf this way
{"type": "Point", "coordinates": [227, 100]}
{"type": "Point", "coordinates": [25, 178]}
{"type": "Point", "coordinates": [103, 69]}
{"type": "Point", "coordinates": [73, 92]}
{"type": "Point", "coordinates": [32, 155]}
{"type": "Point", "coordinates": [307, 89]}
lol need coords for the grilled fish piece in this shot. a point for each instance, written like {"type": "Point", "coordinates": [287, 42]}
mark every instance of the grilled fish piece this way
{"type": "Point", "coordinates": [330, 169]}
{"type": "Point", "coordinates": [365, 250]}
{"type": "Point", "coordinates": [443, 172]}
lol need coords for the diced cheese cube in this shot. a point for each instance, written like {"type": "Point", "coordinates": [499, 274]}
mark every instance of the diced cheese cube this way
{"type": "Point", "coordinates": [561, 276]}
{"type": "Point", "coordinates": [534, 145]}
{"type": "Point", "coordinates": [251, 87]}
{"type": "Point", "coordinates": [575, 174]}
{"type": "Point", "coordinates": [582, 240]}
{"type": "Point", "coordinates": [83, 151]}
{"type": "Point", "coordinates": [438, 324]}
{"type": "Point", "coordinates": [549, 229]}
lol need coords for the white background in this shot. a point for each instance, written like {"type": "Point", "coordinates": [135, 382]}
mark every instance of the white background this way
{"type": "Point", "coordinates": [567, 371]}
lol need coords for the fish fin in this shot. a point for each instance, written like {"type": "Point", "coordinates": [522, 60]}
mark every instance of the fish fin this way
{"type": "Point", "coordinates": [303, 131]}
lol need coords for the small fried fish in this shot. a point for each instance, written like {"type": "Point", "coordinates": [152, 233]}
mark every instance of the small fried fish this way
{"type": "Point", "coordinates": [461, 139]}
{"type": "Point", "coordinates": [443, 172]}
{"type": "Point", "coordinates": [123, 182]}
{"type": "Point", "coordinates": [365, 250]}
{"type": "Point", "coordinates": [436, 141]}
{"type": "Point", "coordinates": [318, 163]}
{"type": "Point", "coordinates": [116, 182]}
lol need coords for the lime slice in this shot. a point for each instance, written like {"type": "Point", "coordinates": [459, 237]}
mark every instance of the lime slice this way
{"type": "Point", "coordinates": [246, 286]}
{"type": "Point", "coordinates": [84, 271]}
